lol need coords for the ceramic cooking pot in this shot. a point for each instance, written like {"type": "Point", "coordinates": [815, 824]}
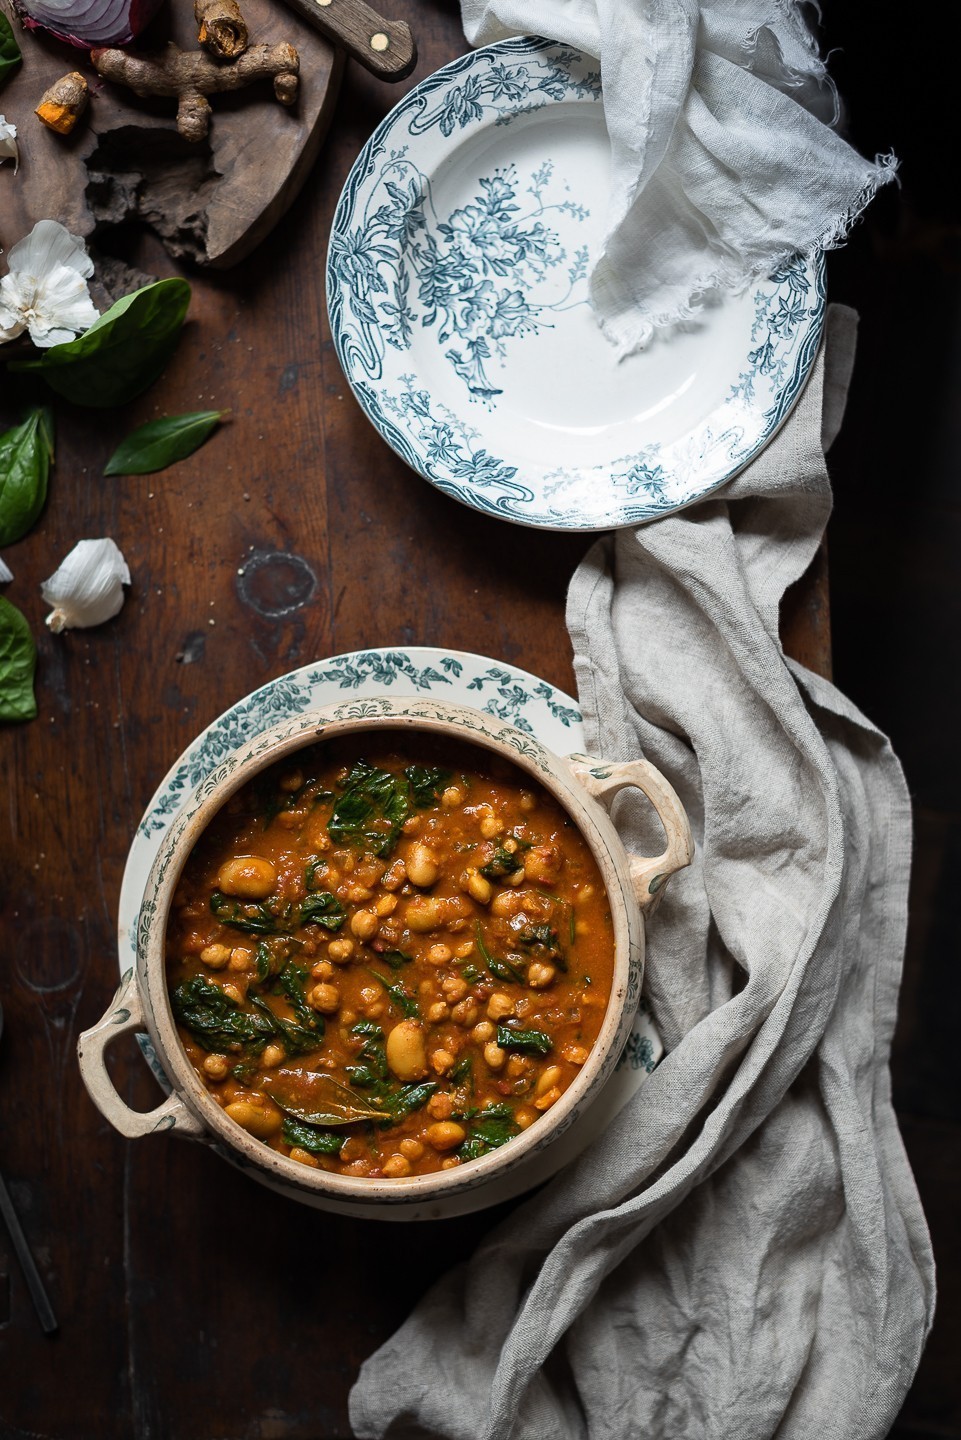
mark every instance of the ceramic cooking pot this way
{"type": "Point", "coordinates": [584, 787]}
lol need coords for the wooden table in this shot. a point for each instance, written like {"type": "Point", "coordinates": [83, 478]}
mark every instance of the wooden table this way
{"type": "Point", "coordinates": [193, 1303]}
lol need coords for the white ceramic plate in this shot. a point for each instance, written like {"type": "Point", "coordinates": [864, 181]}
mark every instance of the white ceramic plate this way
{"type": "Point", "coordinates": [457, 292]}
{"type": "Point", "coordinates": [512, 695]}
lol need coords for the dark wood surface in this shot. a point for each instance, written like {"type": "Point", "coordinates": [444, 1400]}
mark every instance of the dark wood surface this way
{"type": "Point", "coordinates": [193, 1303]}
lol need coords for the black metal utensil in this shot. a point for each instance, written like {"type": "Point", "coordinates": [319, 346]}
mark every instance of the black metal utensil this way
{"type": "Point", "coordinates": [31, 1274]}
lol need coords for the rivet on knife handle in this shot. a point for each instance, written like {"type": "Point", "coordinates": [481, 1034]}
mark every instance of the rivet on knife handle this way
{"type": "Point", "coordinates": [384, 47]}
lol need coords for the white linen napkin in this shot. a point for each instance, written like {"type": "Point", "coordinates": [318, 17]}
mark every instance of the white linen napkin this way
{"type": "Point", "coordinates": [724, 162]}
{"type": "Point", "coordinates": [742, 1254]}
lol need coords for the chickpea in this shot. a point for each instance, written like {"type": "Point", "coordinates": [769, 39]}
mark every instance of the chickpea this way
{"type": "Point", "coordinates": [351, 1150]}
{"type": "Point", "coordinates": [517, 1066]}
{"type": "Point", "coordinates": [549, 1098]}
{"type": "Point", "coordinates": [422, 867]}
{"type": "Point", "coordinates": [442, 1061]}
{"type": "Point", "coordinates": [406, 1051]}
{"type": "Point", "coordinates": [479, 888]}
{"type": "Point", "coordinates": [446, 1135]}
{"type": "Point", "coordinates": [464, 950]}
{"type": "Point", "coordinates": [396, 1166]}
{"type": "Point", "coordinates": [235, 994]}
{"type": "Point", "coordinates": [291, 782]}
{"type": "Point", "coordinates": [394, 878]}
{"type": "Point", "coordinates": [240, 959]}
{"type": "Point", "coordinates": [451, 797]}
{"type": "Point", "coordinates": [483, 1032]}
{"type": "Point", "coordinates": [464, 1013]}
{"type": "Point", "coordinates": [385, 906]}
{"type": "Point", "coordinates": [425, 912]}
{"type": "Point", "coordinates": [437, 1012]}
{"type": "Point", "coordinates": [527, 801]}
{"type": "Point", "coordinates": [323, 970]}
{"type": "Point", "coordinates": [503, 903]}
{"type": "Point", "coordinates": [494, 1055]}
{"type": "Point", "coordinates": [440, 1107]}
{"type": "Point", "coordinates": [539, 975]}
{"type": "Point", "coordinates": [325, 998]}
{"type": "Point", "coordinates": [216, 1067]}
{"type": "Point", "coordinates": [340, 951]}
{"type": "Point", "coordinates": [215, 956]}
{"type": "Point", "coordinates": [575, 1054]}
{"type": "Point", "coordinates": [273, 1055]}
{"type": "Point", "coordinates": [364, 924]}
{"type": "Point", "coordinates": [439, 954]}
{"type": "Point", "coordinates": [524, 1117]}
{"type": "Point", "coordinates": [499, 1006]}
{"type": "Point", "coordinates": [454, 988]}
{"type": "Point", "coordinates": [304, 1157]}
{"type": "Point", "coordinates": [451, 1163]}
{"type": "Point", "coordinates": [249, 877]}
{"type": "Point", "coordinates": [584, 893]}
{"type": "Point", "coordinates": [369, 995]}
{"type": "Point", "coordinates": [357, 894]}
{"type": "Point", "coordinates": [413, 1149]}
{"type": "Point", "coordinates": [490, 826]}
{"type": "Point", "coordinates": [255, 1119]}
{"type": "Point", "coordinates": [547, 1079]}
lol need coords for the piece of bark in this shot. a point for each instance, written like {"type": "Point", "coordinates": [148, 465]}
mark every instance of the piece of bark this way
{"type": "Point", "coordinates": [211, 203]}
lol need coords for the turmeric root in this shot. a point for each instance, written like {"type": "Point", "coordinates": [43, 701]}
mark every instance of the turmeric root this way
{"type": "Point", "coordinates": [63, 104]}
{"type": "Point", "coordinates": [223, 30]}
{"type": "Point", "coordinates": [192, 75]}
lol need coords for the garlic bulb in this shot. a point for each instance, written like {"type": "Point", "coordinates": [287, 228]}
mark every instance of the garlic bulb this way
{"type": "Point", "coordinates": [6, 574]}
{"type": "Point", "coordinates": [8, 143]}
{"type": "Point", "coordinates": [87, 589]}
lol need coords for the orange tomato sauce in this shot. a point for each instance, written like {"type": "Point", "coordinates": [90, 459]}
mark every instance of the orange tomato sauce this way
{"type": "Point", "coordinates": [387, 963]}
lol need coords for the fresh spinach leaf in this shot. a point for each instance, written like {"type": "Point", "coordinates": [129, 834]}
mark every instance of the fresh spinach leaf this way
{"type": "Point", "coordinates": [214, 1020]}
{"type": "Point", "coordinates": [427, 782]}
{"type": "Point", "coordinates": [502, 862]}
{"type": "Point", "coordinates": [463, 1072]}
{"type": "Point", "coordinates": [471, 973]}
{"type": "Point", "coordinates": [371, 809]}
{"type": "Point", "coordinates": [122, 353]}
{"type": "Point", "coordinates": [160, 443]}
{"type": "Point", "coordinates": [543, 942]}
{"type": "Point", "coordinates": [323, 908]}
{"type": "Point", "coordinates": [26, 452]}
{"type": "Point", "coordinates": [10, 55]}
{"type": "Point", "coordinates": [309, 1137]}
{"type": "Point", "coordinates": [533, 1042]}
{"type": "Point", "coordinates": [18, 660]}
{"type": "Point", "coordinates": [398, 996]}
{"type": "Point", "coordinates": [254, 919]}
{"type": "Point", "coordinates": [263, 960]}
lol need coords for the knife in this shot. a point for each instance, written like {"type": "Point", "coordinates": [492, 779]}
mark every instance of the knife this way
{"type": "Point", "coordinates": [384, 47]}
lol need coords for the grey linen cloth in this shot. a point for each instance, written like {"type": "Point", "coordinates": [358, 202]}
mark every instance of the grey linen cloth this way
{"type": "Point", "coordinates": [742, 1254]}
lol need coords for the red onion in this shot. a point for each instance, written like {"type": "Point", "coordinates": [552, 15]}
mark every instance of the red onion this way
{"type": "Point", "coordinates": [89, 22]}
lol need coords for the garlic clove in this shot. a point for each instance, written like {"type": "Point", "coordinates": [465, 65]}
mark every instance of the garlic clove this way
{"type": "Point", "coordinates": [87, 588]}
{"type": "Point", "coordinates": [8, 143]}
{"type": "Point", "coordinates": [6, 574]}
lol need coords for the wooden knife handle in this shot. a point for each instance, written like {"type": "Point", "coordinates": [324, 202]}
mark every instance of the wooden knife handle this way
{"type": "Point", "coordinates": [384, 47]}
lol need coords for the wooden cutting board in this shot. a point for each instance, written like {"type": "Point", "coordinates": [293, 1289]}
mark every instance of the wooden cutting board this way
{"type": "Point", "coordinates": [210, 202]}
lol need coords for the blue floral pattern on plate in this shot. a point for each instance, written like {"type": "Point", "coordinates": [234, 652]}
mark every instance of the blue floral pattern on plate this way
{"type": "Point", "coordinates": [433, 290]}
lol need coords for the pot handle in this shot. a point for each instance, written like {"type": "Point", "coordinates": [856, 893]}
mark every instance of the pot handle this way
{"type": "Point", "coordinates": [649, 875]}
{"type": "Point", "coordinates": [125, 1014]}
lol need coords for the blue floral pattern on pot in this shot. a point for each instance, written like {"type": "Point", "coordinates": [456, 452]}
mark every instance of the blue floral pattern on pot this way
{"type": "Point", "coordinates": [437, 291]}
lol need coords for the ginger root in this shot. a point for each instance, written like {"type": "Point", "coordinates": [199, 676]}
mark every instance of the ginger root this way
{"type": "Point", "coordinates": [192, 75]}
{"type": "Point", "coordinates": [63, 104]}
{"type": "Point", "coordinates": [223, 29]}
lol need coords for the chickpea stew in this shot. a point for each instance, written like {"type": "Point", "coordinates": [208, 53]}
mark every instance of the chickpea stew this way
{"type": "Point", "coordinates": [385, 967]}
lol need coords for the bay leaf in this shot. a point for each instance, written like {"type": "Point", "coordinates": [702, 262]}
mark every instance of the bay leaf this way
{"type": "Point", "coordinates": [317, 1098]}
